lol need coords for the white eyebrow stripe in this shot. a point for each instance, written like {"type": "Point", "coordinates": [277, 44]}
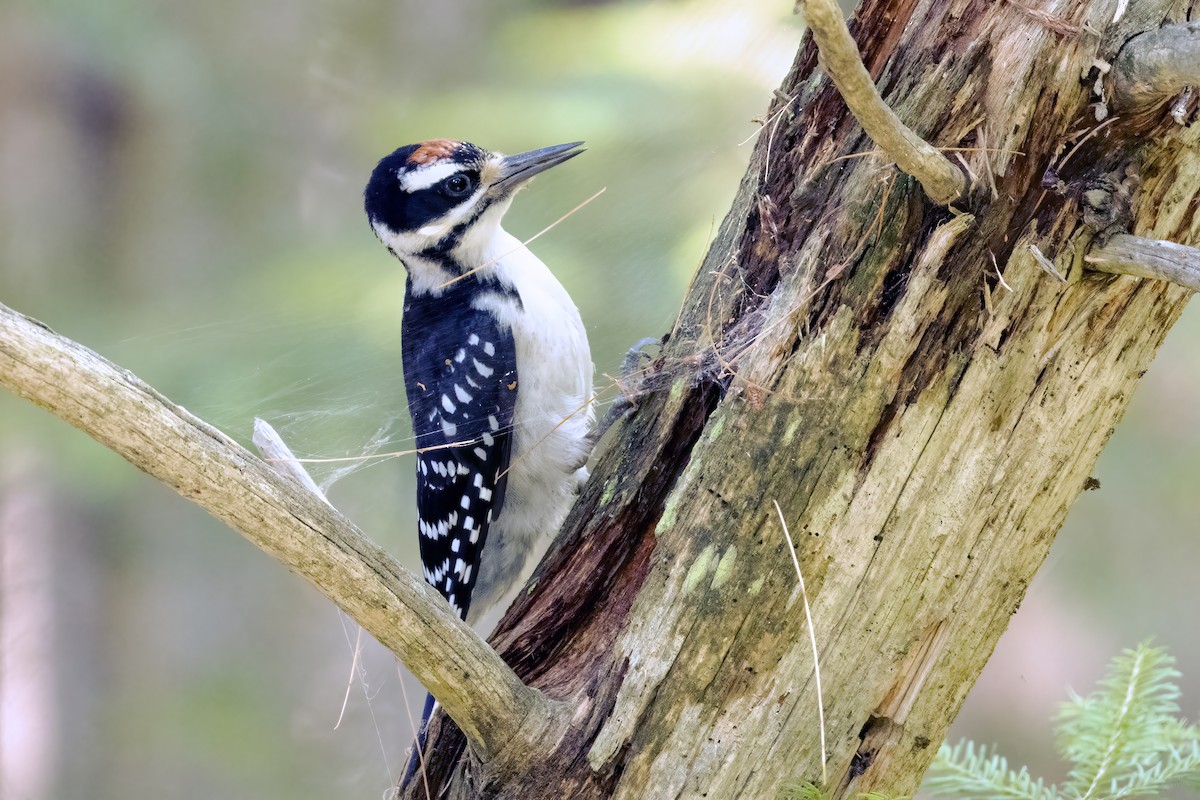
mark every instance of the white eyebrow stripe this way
{"type": "Point", "coordinates": [428, 175]}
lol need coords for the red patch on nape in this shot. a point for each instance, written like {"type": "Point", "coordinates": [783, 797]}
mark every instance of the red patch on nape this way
{"type": "Point", "coordinates": [432, 150]}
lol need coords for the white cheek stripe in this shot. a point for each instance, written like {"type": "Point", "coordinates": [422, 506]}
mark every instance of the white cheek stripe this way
{"type": "Point", "coordinates": [427, 176]}
{"type": "Point", "coordinates": [402, 243]}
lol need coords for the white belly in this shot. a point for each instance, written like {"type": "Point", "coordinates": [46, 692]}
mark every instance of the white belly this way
{"type": "Point", "coordinates": [552, 423]}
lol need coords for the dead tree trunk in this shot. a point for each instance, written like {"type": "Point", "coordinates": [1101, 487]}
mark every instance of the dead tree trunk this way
{"type": "Point", "coordinates": [923, 389]}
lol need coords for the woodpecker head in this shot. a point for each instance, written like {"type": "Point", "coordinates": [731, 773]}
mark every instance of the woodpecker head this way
{"type": "Point", "coordinates": [442, 200]}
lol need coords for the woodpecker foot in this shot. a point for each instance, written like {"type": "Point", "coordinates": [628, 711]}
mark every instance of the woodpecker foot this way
{"type": "Point", "coordinates": [636, 361]}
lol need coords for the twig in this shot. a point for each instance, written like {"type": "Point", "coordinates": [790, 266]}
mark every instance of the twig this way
{"type": "Point", "coordinates": [1057, 168]}
{"type": "Point", "coordinates": [999, 274]}
{"type": "Point", "coordinates": [1055, 23]}
{"type": "Point", "coordinates": [525, 243]}
{"type": "Point", "coordinates": [479, 691]}
{"type": "Point", "coordinates": [838, 53]}
{"type": "Point", "coordinates": [1155, 66]}
{"type": "Point", "coordinates": [357, 652]}
{"type": "Point", "coordinates": [812, 638]}
{"type": "Point", "coordinates": [876, 152]}
{"type": "Point", "coordinates": [1045, 263]}
{"type": "Point", "coordinates": [1148, 258]}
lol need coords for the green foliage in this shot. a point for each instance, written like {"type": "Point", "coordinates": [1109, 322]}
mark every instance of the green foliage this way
{"type": "Point", "coordinates": [1124, 740]}
{"type": "Point", "coordinates": [807, 790]}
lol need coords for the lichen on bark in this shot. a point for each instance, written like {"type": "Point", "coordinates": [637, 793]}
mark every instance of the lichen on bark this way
{"type": "Point", "coordinates": [921, 396]}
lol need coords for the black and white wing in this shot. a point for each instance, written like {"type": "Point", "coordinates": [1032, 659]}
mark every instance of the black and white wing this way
{"type": "Point", "coordinates": [461, 375]}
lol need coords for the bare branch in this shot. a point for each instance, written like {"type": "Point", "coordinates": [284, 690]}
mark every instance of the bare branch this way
{"type": "Point", "coordinates": [838, 53]}
{"type": "Point", "coordinates": [478, 690]}
{"type": "Point", "coordinates": [1155, 66]}
{"type": "Point", "coordinates": [1148, 258]}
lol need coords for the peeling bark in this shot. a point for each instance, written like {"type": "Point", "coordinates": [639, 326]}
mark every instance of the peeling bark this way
{"type": "Point", "coordinates": [921, 397]}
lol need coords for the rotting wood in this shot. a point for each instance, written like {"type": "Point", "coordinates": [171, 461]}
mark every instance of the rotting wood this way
{"type": "Point", "coordinates": [924, 447]}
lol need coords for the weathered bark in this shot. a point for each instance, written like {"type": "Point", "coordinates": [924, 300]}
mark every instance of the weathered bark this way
{"type": "Point", "coordinates": [920, 394]}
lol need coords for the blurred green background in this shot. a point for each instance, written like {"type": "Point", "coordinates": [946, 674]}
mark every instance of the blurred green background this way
{"type": "Point", "coordinates": [180, 189]}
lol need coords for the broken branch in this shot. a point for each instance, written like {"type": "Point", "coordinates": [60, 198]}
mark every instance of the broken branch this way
{"type": "Point", "coordinates": [1155, 66]}
{"type": "Point", "coordinates": [1148, 258]}
{"type": "Point", "coordinates": [838, 54]}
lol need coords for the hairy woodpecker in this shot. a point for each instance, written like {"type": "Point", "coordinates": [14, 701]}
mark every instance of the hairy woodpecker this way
{"type": "Point", "coordinates": [496, 365]}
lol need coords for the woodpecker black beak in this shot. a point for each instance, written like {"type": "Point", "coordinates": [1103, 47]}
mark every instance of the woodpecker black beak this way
{"type": "Point", "coordinates": [516, 170]}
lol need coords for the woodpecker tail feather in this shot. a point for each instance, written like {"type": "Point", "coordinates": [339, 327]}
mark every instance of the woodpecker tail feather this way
{"type": "Point", "coordinates": [417, 756]}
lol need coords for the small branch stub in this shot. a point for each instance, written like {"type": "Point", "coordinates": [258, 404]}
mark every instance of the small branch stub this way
{"type": "Point", "coordinates": [1155, 66]}
{"type": "Point", "coordinates": [1148, 258]}
{"type": "Point", "coordinates": [838, 53]}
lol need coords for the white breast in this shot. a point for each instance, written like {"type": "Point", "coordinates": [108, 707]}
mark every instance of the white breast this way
{"type": "Point", "coordinates": [553, 420]}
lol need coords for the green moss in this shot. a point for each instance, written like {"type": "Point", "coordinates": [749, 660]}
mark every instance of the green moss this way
{"type": "Point", "coordinates": [699, 568]}
{"type": "Point", "coordinates": [676, 391]}
{"type": "Point", "coordinates": [610, 491]}
{"type": "Point", "coordinates": [724, 568]}
{"type": "Point", "coordinates": [717, 427]}
{"type": "Point", "coordinates": [790, 432]}
{"type": "Point", "coordinates": [670, 514]}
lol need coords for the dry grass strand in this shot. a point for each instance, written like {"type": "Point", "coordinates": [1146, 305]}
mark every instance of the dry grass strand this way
{"type": "Point", "coordinates": [812, 638]}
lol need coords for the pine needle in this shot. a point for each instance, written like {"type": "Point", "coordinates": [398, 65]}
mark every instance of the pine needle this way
{"type": "Point", "coordinates": [1124, 740]}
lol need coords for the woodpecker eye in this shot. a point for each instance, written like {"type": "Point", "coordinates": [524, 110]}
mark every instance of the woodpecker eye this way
{"type": "Point", "coordinates": [458, 185]}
